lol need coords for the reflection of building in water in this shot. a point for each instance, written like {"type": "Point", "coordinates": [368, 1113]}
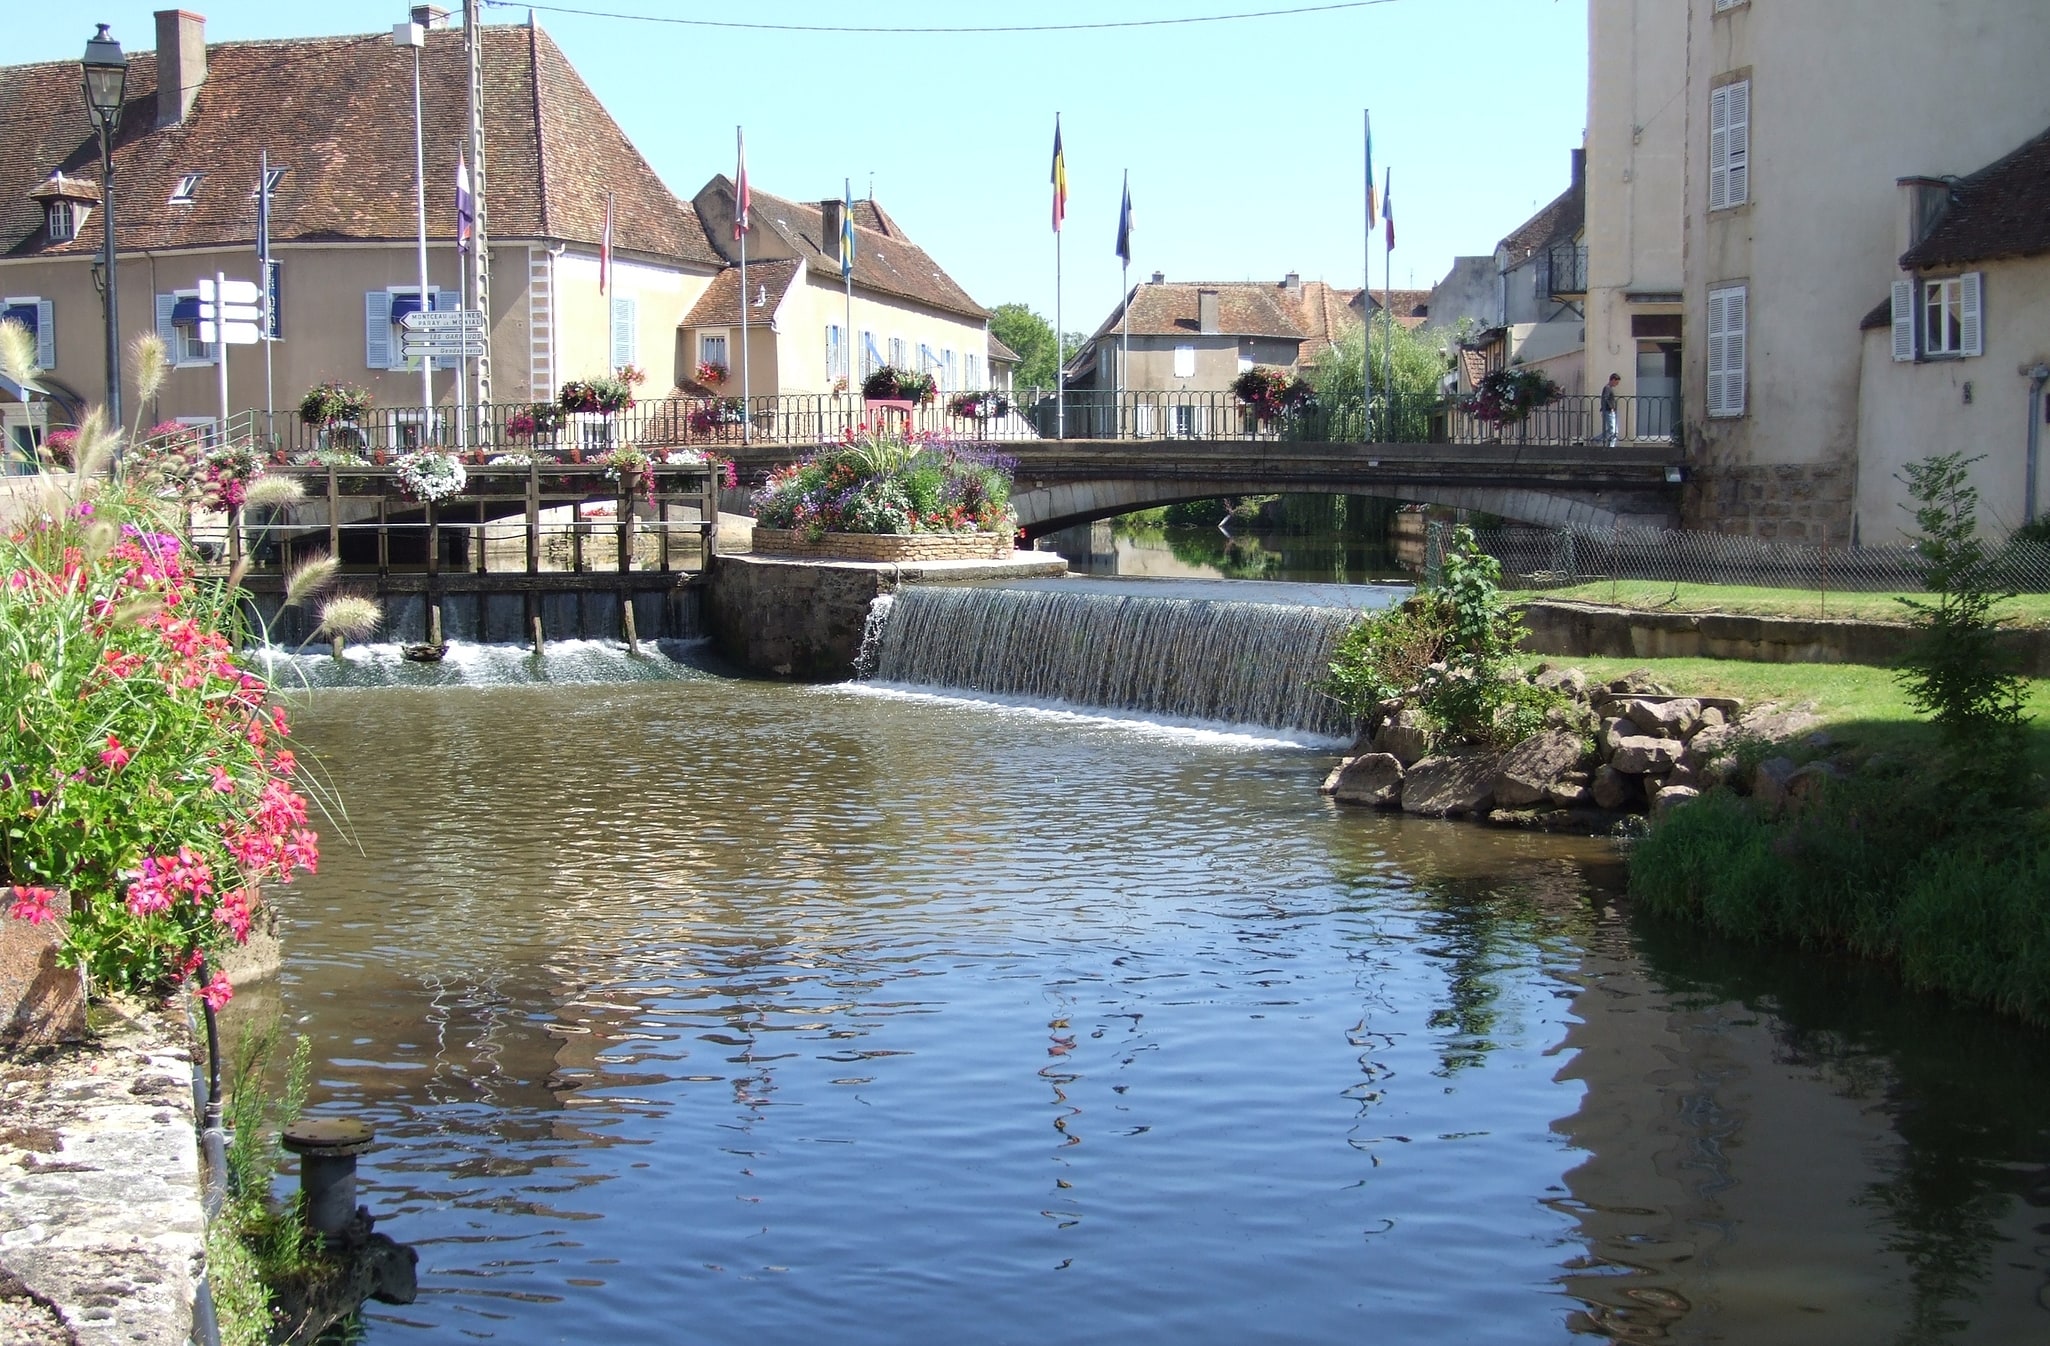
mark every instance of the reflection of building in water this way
{"type": "Point", "coordinates": [1723, 1169]}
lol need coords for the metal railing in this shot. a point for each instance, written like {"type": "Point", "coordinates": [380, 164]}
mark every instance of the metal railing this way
{"type": "Point", "coordinates": [1553, 558]}
{"type": "Point", "coordinates": [810, 419]}
{"type": "Point", "coordinates": [1562, 271]}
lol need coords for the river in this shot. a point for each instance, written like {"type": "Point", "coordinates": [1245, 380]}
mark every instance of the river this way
{"type": "Point", "coordinates": [696, 1009]}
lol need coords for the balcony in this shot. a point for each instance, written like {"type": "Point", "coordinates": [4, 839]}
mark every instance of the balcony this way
{"type": "Point", "coordinates": [1562, 271]}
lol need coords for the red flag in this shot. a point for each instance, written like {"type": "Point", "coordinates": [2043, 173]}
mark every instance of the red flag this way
{"type": "Point", "coordinates": [743, 199]}
{"type": "Point", "coordinates": [605, 247]}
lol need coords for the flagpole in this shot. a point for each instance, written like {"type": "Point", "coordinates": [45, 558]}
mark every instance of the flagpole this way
{"type": "Point", "coordinates": [1125, 278]}
{"type": "Point", "coordinates": [847, 276]}
{"type": "Point", "coordinates": [1060, 357]}
{"type": "Point", "coordinates": [746, 407]}
{"type": "Point", "coordinates": [1367, 295]}
{"type": "Point", "coordinates": [1388, 302]}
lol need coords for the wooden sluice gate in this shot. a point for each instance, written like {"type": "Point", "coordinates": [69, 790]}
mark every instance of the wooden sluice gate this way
{"type": "Point", "coordinates": [519, 554]}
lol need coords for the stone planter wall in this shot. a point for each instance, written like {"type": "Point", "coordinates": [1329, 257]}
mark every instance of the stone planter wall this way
{"type": "Point", "coordinates": [883, 548]}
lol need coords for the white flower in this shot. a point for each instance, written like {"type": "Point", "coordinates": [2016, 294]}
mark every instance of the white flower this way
{"type": "Point", "coordinates": [431, 476]}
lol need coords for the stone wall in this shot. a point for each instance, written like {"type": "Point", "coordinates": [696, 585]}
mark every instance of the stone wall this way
{"type": "Point", "coordinates": [803, 619]}
{"type": "Point", "coordinates": [1777, 502]}
{"type": "Point", "coordinates": [891, 547]}
{"type": "Point", "coordinates": [1590, 630]}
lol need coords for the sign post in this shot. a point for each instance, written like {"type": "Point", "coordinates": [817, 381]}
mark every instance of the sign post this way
{"type": "Point", "coordinates": [442, 334]}
{"type": "Point", "coordinates": [230, 314]}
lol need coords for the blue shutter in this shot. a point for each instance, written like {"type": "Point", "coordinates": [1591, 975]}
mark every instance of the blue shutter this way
{"type": "Point", "coordinates": [166, 333]}
{"type": "Point", "coordinates": [46, 334]}
{"type": "Point", "coordinates": [444, 301]}
{"type": "Point", "coordinates": [622, 331]}
{"type": "Point", "coordinates": [377, 329]}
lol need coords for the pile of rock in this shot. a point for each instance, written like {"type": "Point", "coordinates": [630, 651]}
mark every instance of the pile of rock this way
{"type": "Point", "coordinates": [1611, 749]}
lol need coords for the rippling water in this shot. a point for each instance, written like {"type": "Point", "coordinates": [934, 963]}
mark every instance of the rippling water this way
{"type": "Point", "coordinates": [698, 1010]}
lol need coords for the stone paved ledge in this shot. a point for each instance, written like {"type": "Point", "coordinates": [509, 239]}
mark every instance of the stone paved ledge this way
{"type": "Point", "coordinates": [101, 1228]}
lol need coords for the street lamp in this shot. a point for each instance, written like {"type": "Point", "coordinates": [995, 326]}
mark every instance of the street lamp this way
{"type": "Point", "coordinates": [106, 81]}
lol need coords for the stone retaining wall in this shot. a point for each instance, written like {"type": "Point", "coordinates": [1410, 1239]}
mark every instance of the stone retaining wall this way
{"type": "Point", "coordinates": [1588, 630]}
{"type": "Point", "coordinates": [883, 547]}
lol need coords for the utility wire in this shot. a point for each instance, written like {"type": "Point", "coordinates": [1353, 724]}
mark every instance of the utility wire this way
{"type": "Point", "coordinates": [949, 30]}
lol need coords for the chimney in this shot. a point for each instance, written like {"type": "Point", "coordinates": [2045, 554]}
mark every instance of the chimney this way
{"type": "Point", "coordinates": [1160, 278]}
{"type": "Point", "coordinates": [829, 225]}
{"type": "Point", "coordinates": [181, 63]}
{"type": "Point", "coordinates": [1293, 282]}
{"type": "Point", "coordinates": [1922, 202]}
{"type": "Point", "coordinates": [1206, 311]}
{"type": "Point", "coordinates": [430, 16]}
{"type": "Point", "coordinates": [1579, 166]}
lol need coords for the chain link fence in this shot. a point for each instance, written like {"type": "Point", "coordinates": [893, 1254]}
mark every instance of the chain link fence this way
{"type": "Point", "coordinates": [1565, 558]}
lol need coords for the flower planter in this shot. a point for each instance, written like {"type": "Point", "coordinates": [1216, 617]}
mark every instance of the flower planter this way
{"type": "Point", "coordinates": [883, 547]}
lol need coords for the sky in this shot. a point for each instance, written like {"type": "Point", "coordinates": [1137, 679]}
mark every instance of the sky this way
{"type": "Point", "coordinates": [1243, 138]}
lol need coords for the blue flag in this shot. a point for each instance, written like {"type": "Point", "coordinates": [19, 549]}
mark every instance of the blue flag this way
{"type": "Point", "coordinates": [1125, 223]}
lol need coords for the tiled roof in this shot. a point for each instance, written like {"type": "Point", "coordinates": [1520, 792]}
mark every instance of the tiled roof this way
{"type": "Point", "coordinates": [884, 260]}
{"type": "Point", "coordinates": [1002, 354]}
{"type": "Point", "coordinates": [1556, 223]}
{"type": "Point", "coordinates": [2003, 210]}
{"type": "Point", "coordinates": [1326, 312]}
{"type": "Point", "coordinates": [333, 112]}
{"type": "Point", "coordinates": [1244, 308]}
{"type": "Point", "coordinates": [719, 305]}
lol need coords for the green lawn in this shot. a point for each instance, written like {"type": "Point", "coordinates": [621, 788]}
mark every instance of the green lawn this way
{"type": "Point", "coordinates": [1861, 706]}
{"type": "Point", "coordinates": [1757, 601]}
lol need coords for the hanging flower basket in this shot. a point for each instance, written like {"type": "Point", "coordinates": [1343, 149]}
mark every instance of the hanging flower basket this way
{"type": "Point", "coordinates": [326, 403]}
{"type": "Point", "coordinates": [985, 406]}
{"type": "Point", "coordinates": [711, 373]}
{"type": "Point", "coordinates": [429, 476]}
{"type": "Point", "coordinates": [1507, 396]}
{"type": "Point", "coordinates": [538, 421]}
{"type": "Point", "coordinates": [1271, 392]}
{"type": "Point", "coordinates": [603, 395]}
{"type": "Point", "coordinates": [890, 384]}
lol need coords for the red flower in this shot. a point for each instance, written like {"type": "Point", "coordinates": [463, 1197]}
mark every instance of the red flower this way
{"type": "Point", "coordinates": [32, 904]}
{"type": "Point", "coordinates": [217, 992]}
{"type": "Point", "coordinates": [114, 755]}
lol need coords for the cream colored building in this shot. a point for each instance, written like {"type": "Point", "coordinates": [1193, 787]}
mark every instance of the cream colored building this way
{"type": "Point", "coordinates": [343, 217]}
{"type": "Point", "coordinates": [1802, 118]}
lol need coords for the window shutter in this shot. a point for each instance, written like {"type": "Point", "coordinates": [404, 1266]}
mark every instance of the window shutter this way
{"type": "Point", "coordinates": [1719, 149]}
{"type": "Point", "coordinates": [377, 352]}
{"type": "Point", "coordinates": [167, 333]}
{"type": "Point", "coordinates": [1971, 326]}
{"type": "Point", "coordinates": [442, 301]}
{"type": "Point", "coordinates": [1903, 320]}
{"type": "Point", "coordinates": [622, 331]}
{"type": "Point", "coordinates": [46, 334]}
{"type": "Point", "coordinates": [1718, 356]}
{"type": "Point", "coordinates": [1734, 320]}
{"type": "Point", "coordinates": [1142, 419]}
{"type": "Point", "coordinates": [1737, 144]}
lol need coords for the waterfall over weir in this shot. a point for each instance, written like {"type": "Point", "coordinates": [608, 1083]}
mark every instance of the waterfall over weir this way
{"type": "Point", "coordinates": [1221, 661]}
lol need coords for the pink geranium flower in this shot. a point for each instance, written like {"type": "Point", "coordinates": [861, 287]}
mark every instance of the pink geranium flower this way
{"type": "Point", "coordinates": [32, 904]}
{"type": "Point", "coordinates": [114, 755]}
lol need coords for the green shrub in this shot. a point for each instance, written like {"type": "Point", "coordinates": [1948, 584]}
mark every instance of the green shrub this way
{"type": "Point", "coordinates": [1385, 653]}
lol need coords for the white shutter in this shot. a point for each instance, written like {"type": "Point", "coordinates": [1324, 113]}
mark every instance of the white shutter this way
{"type": "Point", "coordinates": [166, 333]}
{"type": "Point", "coordinates": [377, 351]}
{"type": "Point", "coordinates": [1904, 320]}
{"type": "Point", "coordinates": [622, 331]}
{"type": "Point", "coordinates": [1716, 357]}
{"type": "Point", "coordinates": [1734, 341]}
{"type": "Point", "coordinates": [1737, 143]}
{"type": "Point", "coordinates": [442, 301]}
{"type": "Point", "coordinates": [1184, 362]}
{"type": "Point", "coordinates": [1719, 148]}
{"type": "Point", "coordinates": [1142, 419]}
{"type": "Point", "coordinates": [1971, 326]}
{"type": "Point", "coordinates": [46, 334]}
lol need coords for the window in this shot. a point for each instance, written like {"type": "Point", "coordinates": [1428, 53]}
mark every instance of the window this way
{"type": "Point", "coordinates": [276, 176]}
{"type": "Point", "coordinates": [897, 352]}
{"type": "Point", "coordinates": [951, 383]}
{"type": "Point", "coordinates": [973, 368]}
{"type": "Point", "coordinates": [182, 194]}
{"type": "Point", "coordinates": [178, 326]}
{"type": "Point", "coordinates": [62, 217]}
{"type": "Point", "coordinates": [1940, 318]}
{"type": "Point", "coordinates": [1729, 145]}
{"type": "Point", "coordinates": [1726, 318]}
{"type": "Point", "coordinates": [383, 312]}
{"type": "Point", "coordinates": [623, 331]}
{"type": "Point", "coordinates": [836, 353]}
{"type": "Point", "coordinates": [1721, 5]}
{"type": "Point", "coordinates": [1184, 420]}
{"type": "Point", "coordinates": [712, 349]}
{"type": "Point", "coordinates": [1185, 362]}
{"type": "Point", "coordinates": [871, 358]}
{"type": "Point", "coordinates": [39, 317]}
{"type": "Point", "coordinates": [23, 427]}
{"type": "Point", "coordinates": [1142, 419]}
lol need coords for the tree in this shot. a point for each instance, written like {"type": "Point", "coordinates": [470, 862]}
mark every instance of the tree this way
{"type": "Point", "coordinates": [1421, 363]}
{"type": "Point", "coordinates": [1031, 336]}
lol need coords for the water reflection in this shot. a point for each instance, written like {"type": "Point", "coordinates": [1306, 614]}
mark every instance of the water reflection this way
{"type": "Point", "coordinates": [797, 1015]}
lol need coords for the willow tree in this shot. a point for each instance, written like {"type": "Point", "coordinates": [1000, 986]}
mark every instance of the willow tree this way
{"type": "Point", "coordinates": [1421, 360]}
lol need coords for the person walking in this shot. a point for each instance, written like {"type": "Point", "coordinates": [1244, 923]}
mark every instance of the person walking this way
{"type": "Point", "coordinates": [1609, 426]}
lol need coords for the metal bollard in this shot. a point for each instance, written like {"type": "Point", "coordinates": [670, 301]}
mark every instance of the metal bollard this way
{"type": "Point", "coordinates": [327, 1148]}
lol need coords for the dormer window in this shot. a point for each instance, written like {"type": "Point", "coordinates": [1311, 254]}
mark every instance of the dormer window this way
{"type": "Point", "coordinates": [182, 195]}
{"type": "Point", "coordinates": [62, 217]}
{"type": "Point", "coordinates": [276, 176]}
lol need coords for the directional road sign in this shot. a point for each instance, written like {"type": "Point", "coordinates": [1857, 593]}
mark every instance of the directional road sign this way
{"type": "Point", "coordinates": [236, 306]}
{"type": "Point", "coordinates": [440, 345]}
{"type": "Point", "coordinates": [451, 321]}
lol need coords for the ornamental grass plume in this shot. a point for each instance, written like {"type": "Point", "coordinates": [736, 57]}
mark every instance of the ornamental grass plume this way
{"type": "Point", "coordinates": [309, 579]}
{"type": "Point", "coordinates": [96, 444]}
{"type": "Point", "coordinates": [151, 361]}
{"type": "Point", "coordinates": [17, 354]}
{"type": "Point", "coordinates": [268, 492]}
{"type": "Point", "coordinates": [350, 616]}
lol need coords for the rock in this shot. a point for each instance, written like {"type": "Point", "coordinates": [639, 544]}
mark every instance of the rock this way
{"type": "Point", "coordinates": [1571, 681]}
{"type": "Point", "coordinates": [1712, 717]}
{"type": "Point", "coordinates": [1708, 743]}
{"type": "Point", "coordinates": [1614, 731]}
{"type": "Point", "coordinates": [1611, 789]}
{"type": "Point", "coordinates": [1769, 782]}
{"type": "Point", "coordinates": [1637, 682]}
{"type": "Point", "coordinates": [1683, 775]}
{"type": "Point", "coordinates": [1406, 738]}
{"type": "Point", "coordinates": [1807, 783]}
{"type": "Point", "coordinates": [1719, 772]}
{"type": "Point", "coordinates": [1570, 794]}
{"type": "Point", "coordinates": [1641, 754]}
{"type": "Point", "coordinates": [1820, 740]}
{"type": "Point", "coordinates": [1532, 765]}
{"type": "Point", "coordinates": [41, 1003]}
{"type": "Point", "coordinates": [1672, 797]}
{"type": "Point", "coordinates": [1373, 780]}
{"type": "Point", "coordinates": [1674, 718]}
{"type": "Point", "coordinates": [1444, 787]}
{"type": "Point", "coordinates": [1773, 725]}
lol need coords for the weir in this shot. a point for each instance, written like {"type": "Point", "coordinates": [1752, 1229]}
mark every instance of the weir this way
{"type": "Point", "coordinates": [1214, 660]}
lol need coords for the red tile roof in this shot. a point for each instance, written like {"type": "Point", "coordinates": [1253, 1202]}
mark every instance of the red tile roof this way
{"type": "Point", "coordinates": [1558, 222]}
{"type": "Point", "coordinates": [2003, 210]}
{"type": "Point", "coordinates": [331, 111]}
{"type": "Point", "coordinates": [1244, 308]}
{"type": "Point", "coordinates": [719, 305]}
{"type": "Point", "coordinates": [999, 353]}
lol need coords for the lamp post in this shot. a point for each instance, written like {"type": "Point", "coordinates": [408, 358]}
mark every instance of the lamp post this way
{"type": "Point", "coordinates": [106, 81]}
{"type": "Point", "coordinates": [414, 36]}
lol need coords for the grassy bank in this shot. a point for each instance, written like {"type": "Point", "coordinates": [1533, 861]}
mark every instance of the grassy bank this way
{"type": "Point", "coordinates": [1935, 866]}
{"type": "Point", "coordinates": [1760, 601]}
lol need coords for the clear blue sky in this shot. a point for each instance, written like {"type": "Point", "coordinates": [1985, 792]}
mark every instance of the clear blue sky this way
{"type": "Point", "coordinates": [1243, 138]}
